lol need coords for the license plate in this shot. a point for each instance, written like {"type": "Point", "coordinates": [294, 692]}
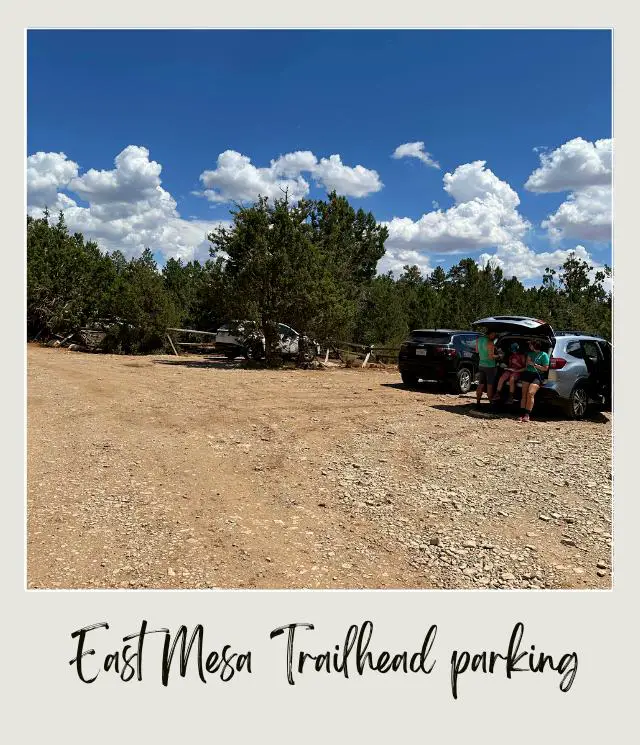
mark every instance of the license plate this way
{"type": "Point", "coordinates": [421, 352]}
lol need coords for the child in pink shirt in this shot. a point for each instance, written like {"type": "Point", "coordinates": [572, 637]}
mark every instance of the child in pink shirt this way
{"type": "Point", "coordinates": [517, 363]}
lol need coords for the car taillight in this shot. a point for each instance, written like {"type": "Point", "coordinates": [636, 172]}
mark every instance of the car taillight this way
{"type": "Point", "coordinates": [557, 363]}
{"type": "Point", "coordinates": [446, 351]}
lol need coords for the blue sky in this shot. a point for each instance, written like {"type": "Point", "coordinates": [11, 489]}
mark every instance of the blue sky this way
{"type": "Point", "coordinates": [188, 96]}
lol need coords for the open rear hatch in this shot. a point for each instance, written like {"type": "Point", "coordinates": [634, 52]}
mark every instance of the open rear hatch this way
{"type": "Point", "coordinates": [521, 325]}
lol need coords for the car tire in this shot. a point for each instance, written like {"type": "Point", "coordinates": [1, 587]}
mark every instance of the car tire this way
{"type": "Point", "coordinates": [308, 355]}
{"type": "Point", "coordinates": [463, 381]}
{"type": "Point", "coordinates": [578, 403]}
{"type": "Point", "coordinates": [409, 379]}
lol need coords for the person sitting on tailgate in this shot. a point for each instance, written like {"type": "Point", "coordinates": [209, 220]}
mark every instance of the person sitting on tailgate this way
{"type": "Point", "coordinates": [532, 378]}
{"type": "Point", "coordinates": [516, 364]}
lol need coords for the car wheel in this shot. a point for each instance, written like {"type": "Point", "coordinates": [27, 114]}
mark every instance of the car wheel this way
{"type": "Point", "coordinates": [463, 380]}
{"type": "Point", "coordinates": [578, 403]}
{"type": "Point", "coordinates": [252, 352]}
{"type": "Point", "coordinates": [409, 379]}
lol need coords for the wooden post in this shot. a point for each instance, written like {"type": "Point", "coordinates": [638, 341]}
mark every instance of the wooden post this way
{"type": "Point", "coordinates": [172, 345]}
{"type": "Point", "coordinates": [326, 357]}
{"type": "Point", "coordinates": [366, 359]}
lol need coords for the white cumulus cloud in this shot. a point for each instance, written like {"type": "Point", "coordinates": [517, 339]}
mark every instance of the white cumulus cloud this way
{"type": "Point", "coordinates": [573, 166]}
{"type": "Point", "coordinates": [47, 173]}
{"type": "Point", "coordinates": [520, 261]}
{"type": "Point", "coordinates": [585, 170]}
{"type": "Point", "coordinates": [356, 181]}
{"type": "Point", "coordinates": [128, 208]}
{"type": "Point", "coordinates": [484, 215]}
{"type": "Point", "coordinates": [585, 215]}
{"type": "Point", "coordinates": [517, 259]}
{"type": "Point", "coordinates": [415, 150]}
{"type": "Point", "coordinates": [237, 179]}
{"type": "Point", "coordinates": [395, 260]}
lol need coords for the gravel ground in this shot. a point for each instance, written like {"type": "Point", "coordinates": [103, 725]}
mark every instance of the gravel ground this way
{"type": "Point", "coordinates": [191, 472]}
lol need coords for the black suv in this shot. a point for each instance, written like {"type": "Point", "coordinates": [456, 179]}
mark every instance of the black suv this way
{"type": "Point", "coordinates": [442, 355]}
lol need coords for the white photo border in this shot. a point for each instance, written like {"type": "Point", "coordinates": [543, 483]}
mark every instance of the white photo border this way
{"type": "Point", "coordinates": [47, 699]}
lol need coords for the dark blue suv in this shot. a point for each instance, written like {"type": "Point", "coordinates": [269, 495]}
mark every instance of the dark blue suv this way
{"type": "Point", "coordinates": [443, 355]}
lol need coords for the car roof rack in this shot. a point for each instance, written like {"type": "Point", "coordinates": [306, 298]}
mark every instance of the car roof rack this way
{"type": "Point", "coordinates": [445, 331]}
{"type": "Point", "coordinates": [572, 332]}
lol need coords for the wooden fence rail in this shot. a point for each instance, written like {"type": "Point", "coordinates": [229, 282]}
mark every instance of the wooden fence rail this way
{"type": "Point", "coordinates": [341, 349]}
{"type": "Point", "coordinates": [194, 331]}
{"type": "Point", "coordinates": [176, 343]}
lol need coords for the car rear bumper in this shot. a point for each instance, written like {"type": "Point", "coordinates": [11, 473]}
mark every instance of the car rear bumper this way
{"type": "Point", "coordinates": [549, 394]}
{"type": "Point", "coordinates": [427, 370]}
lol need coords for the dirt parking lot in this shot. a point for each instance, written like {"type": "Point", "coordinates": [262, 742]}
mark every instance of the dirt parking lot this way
{"type": "Point", "coordinates": [160, 472]}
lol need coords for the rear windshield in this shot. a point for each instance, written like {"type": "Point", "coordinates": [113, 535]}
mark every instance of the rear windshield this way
{"type": "Point", "coordinates": [430, 337]}
{"type": "Point", "coordinates": [506, 341]}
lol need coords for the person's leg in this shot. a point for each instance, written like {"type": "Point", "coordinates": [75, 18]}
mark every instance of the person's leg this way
{"type": "Point", "coordinates": [512, 387]}
{"type": "Point", "coordinates": [490, 391]}
{"type": "Point", "coordinates": [531, 394]}
{"type": "Point", "coordinates": [491, 377]}
{"type": "Point", "coordinates": [480, 388]}
{"type": "Point", "coordinates": [503, 379]}
{"type": "Point", "coordinates": [523, 399]}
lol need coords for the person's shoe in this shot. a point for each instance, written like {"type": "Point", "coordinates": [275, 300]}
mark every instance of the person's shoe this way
{"type": "Point", "coordinates": [496, 397]}
{"type": "Point", "coordinates": [478, 406]}
{"type": "Point", "coordinates": [510, 401]}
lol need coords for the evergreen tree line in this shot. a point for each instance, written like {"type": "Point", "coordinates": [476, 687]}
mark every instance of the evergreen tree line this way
{"type": "Point", "coordinates": [310, 264]}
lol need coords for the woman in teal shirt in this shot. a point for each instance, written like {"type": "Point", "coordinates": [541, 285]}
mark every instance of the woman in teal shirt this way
{"type": "Point", "coordinates": [537, 364]}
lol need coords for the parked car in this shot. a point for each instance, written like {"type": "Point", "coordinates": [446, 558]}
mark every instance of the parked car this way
{"type": "Point", "coordinates": [580, 370]}
{"type": "Point", "coordinates": [245, 339]}
{"type": "Point", "coordinates": [442, 355]}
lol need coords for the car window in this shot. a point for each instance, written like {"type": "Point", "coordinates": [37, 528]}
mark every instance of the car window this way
{"type": "Point", "coordinates": [468, 341]}
{"type": "Point", "coordinates": [286, 331]}
{"type": "Point", "coordinates": [605, 348]}
{"type": "Point", "coordinates": [430, 337]}
{"type": "Point", "coordinates": [574, 349]}
{"type": "Point", "coordinates": [591, 349]}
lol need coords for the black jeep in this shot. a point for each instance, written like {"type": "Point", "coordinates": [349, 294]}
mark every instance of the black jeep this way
{"type": "Point", "coordinates": [442, 355]}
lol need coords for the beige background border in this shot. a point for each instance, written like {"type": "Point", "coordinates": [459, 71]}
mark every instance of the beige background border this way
{"type": "Point", "coordinates": [43, 698]}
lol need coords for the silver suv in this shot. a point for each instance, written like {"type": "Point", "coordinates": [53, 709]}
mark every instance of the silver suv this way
{"type": "Point", "coordinates": [580, 366]}
{"type": "Point", "coordinates": [244, 339]}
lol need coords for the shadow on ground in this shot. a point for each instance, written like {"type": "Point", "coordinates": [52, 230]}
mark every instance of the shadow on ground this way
{"type": "Point", "coordinates": [433, 387]}
{"type": "Point", "coordinates": [546, 414]}
{"type": "Point", "coordinates": [219, 363]}
{"type": "Point", "coordinates": [213, 363]}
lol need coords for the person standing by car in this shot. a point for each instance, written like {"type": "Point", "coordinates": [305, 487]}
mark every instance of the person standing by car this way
{"type": "Point", "coordinates": [517, 363]}
{"type": "Point", "coordinates": [532, 380]}
{"type": "Point", "coordinates": [487, 357]}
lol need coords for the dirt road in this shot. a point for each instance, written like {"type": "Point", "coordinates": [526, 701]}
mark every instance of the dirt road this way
{"type": "Point", "coordinates": [163, 472]}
